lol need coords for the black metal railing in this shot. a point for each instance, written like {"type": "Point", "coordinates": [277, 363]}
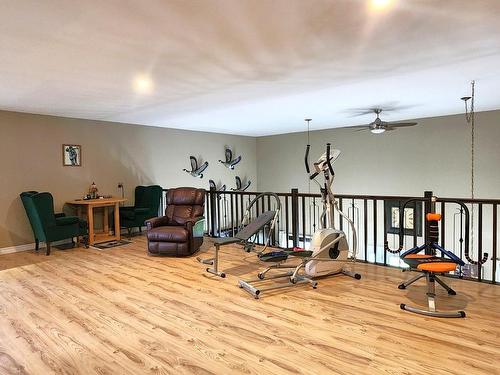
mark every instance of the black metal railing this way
{"type": "Point", "coordinates": [376, 220]}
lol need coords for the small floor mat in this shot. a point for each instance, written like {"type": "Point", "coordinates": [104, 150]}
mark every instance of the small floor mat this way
{"type": "Point", "coordinates": [65, 246]}
{"type": "Point", "coordinates": [110, 244]}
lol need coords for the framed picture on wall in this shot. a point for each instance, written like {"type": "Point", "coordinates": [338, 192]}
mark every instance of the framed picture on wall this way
{"type": "Point", "coordinates": [412, 217]}
{"type": "Point", "coordinates": [72, 155]}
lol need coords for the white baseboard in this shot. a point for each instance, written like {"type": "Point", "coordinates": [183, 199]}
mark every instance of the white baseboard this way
{"type": "Point", "coordinates": [17, 249]}
{"type": "Point", "coordinates": [27, 247]}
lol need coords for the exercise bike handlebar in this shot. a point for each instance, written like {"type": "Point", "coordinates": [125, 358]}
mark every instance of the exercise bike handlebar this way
{"type": "Point", "coordinates": [306, 159]}
{"type": "Point", "coordinates": [246, 216]}
{"type": "Point", "coordinates": [306, 162]}
{"type": "Point", "coordinates": [328, 162]}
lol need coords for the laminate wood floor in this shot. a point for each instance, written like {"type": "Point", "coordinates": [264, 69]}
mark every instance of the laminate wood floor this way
{"type": "Point", "coordinates": [119, 311]}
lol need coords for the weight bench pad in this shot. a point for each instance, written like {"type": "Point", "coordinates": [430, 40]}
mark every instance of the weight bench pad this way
{"type": "Point", "coordinates": [226, 240]}
{"type": "Point", "coordinates": [256, 225]}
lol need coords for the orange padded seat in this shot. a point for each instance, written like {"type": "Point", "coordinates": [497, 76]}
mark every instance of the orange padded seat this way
{"type": "Point", "coordinates": [418, 256]}
{"type": "Point", "coordinates": [437, 267]}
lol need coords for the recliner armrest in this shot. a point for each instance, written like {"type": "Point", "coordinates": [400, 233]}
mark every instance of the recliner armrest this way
{"type": "Point", "coordinates": [196, 226]}
{"type": "Point", "coordinates": [67, 220]}
{"type": "Point", "coordinates": [156, 222]}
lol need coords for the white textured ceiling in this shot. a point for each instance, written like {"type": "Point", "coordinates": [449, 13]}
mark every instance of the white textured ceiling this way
{"type": "Point", "coordinates": [252, 67]}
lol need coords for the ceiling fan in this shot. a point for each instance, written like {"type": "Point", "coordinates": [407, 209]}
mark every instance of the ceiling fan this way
{"type": "Point", "coordinates": [378, 126]}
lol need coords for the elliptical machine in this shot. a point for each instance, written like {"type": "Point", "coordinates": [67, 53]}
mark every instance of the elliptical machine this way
{"type": "Point", "coordinates": [330, 250]}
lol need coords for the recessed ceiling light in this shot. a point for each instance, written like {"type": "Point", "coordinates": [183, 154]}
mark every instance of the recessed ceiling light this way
{"type": "Point", "coordinates": [143, 84]}
{"type": "Point", "coordinates": [377, 130]}
{"type": "Point", "coordinates": [381, 4]}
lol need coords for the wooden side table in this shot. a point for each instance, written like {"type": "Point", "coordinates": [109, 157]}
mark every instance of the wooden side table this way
{"type": "Point", "coordinates": [89, 205]}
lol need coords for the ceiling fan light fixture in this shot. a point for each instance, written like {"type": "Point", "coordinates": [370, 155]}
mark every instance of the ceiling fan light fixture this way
{"type": "Point", "coordinates": [377, 130]}
{"type": "Point", "coordinates": [143, 84]}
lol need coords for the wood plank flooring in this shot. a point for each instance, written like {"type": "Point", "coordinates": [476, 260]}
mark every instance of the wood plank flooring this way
{"type": "Point", "coordinates": [119, 311]}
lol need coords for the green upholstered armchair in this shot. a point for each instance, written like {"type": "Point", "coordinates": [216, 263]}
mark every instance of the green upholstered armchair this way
{"type": "Point", "coordinates": [46, 224]}
{"type": "Point", "coordinates": [146, 206]}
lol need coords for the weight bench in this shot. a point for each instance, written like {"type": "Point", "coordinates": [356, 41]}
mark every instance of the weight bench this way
{"type": "Point", "coordinates": [243, 237]}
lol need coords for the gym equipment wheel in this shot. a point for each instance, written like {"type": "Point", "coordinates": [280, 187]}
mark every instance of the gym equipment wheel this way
{"type": "Point", "coordinates": [261, 276]}
{"type": "Point", "coordinates": [357, 276]}
{"type": "Point", "coordinates": [223, 275]}
{"type": "Point", "coordinates": [401, 286]}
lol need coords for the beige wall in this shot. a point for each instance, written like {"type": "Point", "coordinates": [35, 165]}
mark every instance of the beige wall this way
{"type": "Point", "coordinates": [31, 159]}
{"type": "Point", "coordinates": [435, 155]}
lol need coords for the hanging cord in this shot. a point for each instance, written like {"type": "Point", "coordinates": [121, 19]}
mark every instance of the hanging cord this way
{"type": "Point", "coordinates": [308, 120]}
{"type": "Point", "coordinates": [469, 117]}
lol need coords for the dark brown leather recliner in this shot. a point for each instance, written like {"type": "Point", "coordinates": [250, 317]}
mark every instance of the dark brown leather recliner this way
{"type": "Point", "coordinates": [180, 231]}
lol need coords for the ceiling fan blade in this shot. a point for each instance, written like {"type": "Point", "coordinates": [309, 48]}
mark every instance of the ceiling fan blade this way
{"type": "Point", "coordinates": [384, 107]}
{"type": "Point", "coordinates": [361, 112]}
{"type": "Point", "coordinates": [391, 107]}
{"type": "Point", "coordinates": [401, 124]}
{"type": "Point", "coordinates": [358, 126]}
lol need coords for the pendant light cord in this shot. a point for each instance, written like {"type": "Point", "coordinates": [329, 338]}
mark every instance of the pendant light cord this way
{"type": "Point", "coordinates": [469, 116]}
{"type": "Point", "coordinates": [308, 120]}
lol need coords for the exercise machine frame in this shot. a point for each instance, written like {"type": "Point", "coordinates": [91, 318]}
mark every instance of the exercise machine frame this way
{"type": "Point", "coordinates": [431, 247]}
{"type": "Point", "coordinates": [327, 219]}
{"type": "Point", "coordinates": [247, 235]}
